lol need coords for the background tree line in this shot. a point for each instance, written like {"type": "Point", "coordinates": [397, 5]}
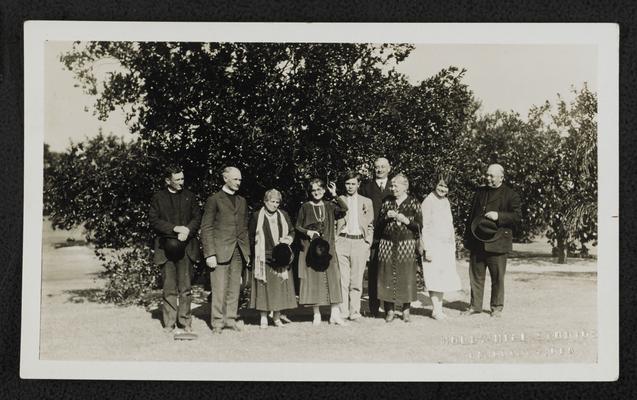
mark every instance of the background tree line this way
{"type": "Point", "coordinates": [286, 112]}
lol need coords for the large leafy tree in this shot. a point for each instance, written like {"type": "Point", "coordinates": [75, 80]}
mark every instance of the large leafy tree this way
{"type": "Point", "coordinates": [281, 112]}
{"type": "Point", "coordinates": [551, 160]}
{"type": "Point", "coordinates": [526, 153]}
{"type": "Point", "coordinates": [571, 195]}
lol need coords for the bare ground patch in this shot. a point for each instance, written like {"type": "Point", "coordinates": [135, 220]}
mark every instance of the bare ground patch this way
{"type": "Point", "coordinates": [550, 316]}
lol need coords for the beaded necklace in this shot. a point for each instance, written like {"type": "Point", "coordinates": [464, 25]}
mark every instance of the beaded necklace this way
{"type": "Point", "coordinates": [321, 212]}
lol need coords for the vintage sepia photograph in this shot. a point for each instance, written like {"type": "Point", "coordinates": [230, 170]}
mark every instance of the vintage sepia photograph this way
{"type": "Point", "coordinates": [315, 201]}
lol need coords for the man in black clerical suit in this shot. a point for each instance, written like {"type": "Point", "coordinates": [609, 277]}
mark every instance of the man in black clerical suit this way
{"type": "Point", "coordinates": [175, 218]}
{"type": "Point", "coordinates": [495, 212]}
{"type": "Point", "coordinates": [226, 246]}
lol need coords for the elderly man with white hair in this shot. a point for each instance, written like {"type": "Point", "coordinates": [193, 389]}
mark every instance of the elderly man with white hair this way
{"type": "Point", "coordinates": [378, 190]}
{"type": "Point", "coordinates": [226, 246]}
{"type": "Point", "coordinates": [495, 212]}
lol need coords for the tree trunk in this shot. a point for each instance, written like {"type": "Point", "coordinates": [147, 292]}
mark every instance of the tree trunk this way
{"type": "Point", "coordinates": [561, 251]}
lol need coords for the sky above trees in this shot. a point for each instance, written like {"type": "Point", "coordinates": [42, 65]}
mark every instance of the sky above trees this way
{"type": "Point", "coordinates": [502, 77]}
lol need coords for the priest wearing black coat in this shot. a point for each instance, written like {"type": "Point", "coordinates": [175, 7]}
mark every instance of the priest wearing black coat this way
{"type": "Point", "coordinates": [175, 217]}
{"type": "Point", "coordinates": [495, 212]}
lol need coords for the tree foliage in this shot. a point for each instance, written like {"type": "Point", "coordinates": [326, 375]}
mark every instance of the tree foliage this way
{"type": "Point", "coordinates": [280, 112]}
{"type": "Point", "coordinates": [571, 199]}
{"type": "Point", "coordinates": [551, 160]}
{"type": "Point", "coordinates": [50, 161]}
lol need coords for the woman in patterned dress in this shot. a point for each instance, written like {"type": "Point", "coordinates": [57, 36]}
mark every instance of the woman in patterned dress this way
{"type": "Point", "coordinates": [272, 290]}
{"type": "Point", "coordinates": [400, 221]}
{"type": "Point", "coordinates": [316, 219]}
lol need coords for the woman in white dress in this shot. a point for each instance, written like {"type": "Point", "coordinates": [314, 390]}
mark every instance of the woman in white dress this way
{"type": "Point", "coordinates": [439, 242]}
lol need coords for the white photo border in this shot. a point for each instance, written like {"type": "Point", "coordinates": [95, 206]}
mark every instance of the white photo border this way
{"type": "Point", "coordinates": [603, 35]}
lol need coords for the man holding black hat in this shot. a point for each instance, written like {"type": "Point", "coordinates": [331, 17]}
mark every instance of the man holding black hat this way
{"type": "Point", "coordinates": [175, 217]}
{"type": "Point", "coordinates": [495, 212]}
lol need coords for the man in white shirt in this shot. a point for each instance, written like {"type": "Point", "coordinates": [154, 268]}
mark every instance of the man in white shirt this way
{"type": "Point", "coordinates": [355, 234]}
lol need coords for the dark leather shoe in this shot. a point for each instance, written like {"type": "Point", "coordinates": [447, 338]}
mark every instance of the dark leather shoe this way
{"type": "Point", "coordinates": [406, 316]}
{"type": "Point", "coordinates": [389, 316]}
{"type": "Point", "coordinates": [469, 311]}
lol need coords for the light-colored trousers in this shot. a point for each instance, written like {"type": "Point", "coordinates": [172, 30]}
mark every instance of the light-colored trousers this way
{"type": "Point", "coordinates": [352, 256]}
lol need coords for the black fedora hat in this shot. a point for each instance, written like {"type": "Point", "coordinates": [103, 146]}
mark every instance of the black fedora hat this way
{"type": "Point", "coordinates": [173, 248]}
{"type": "Point", "coordinates": [318, 254]}
{"type": "Point", "coordinates": [484, 229]}
{"type": "Point", "coordinates": [282, 256]}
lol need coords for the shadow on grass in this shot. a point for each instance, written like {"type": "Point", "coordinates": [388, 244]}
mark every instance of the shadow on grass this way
{"type": "Point", "coordinates": [85, 296]}
{"type": "Point", "coordinates": [456, 305]}
{"type": "Point", "coordinates": [542, 258]}
{"type": "Point", "coordinates": [529, 277]}
{"type": "Point", "coordinates": [70, 243]}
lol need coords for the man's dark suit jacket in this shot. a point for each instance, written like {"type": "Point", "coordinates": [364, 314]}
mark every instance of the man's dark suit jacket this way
{"type": "Point", "coordinates": [224, 226]}
{"type": "Point", "coordinates": [506, 202]}
{"type": "Point", "coordinates": [163, 218]}
{"type": "Point", "coordinates": [371, 190]}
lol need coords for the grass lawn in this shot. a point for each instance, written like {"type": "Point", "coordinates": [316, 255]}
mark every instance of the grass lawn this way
{"type": "Point", "coordinates": [550, 316]}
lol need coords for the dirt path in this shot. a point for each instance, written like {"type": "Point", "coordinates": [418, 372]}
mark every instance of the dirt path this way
{"type": "Point", "coordinates": [550, 316]}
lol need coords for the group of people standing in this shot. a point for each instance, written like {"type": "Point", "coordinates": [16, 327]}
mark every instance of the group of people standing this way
{"type": "Point", "coordinates": [376, 224]}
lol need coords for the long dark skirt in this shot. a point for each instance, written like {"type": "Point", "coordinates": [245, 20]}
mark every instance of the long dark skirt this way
{"type": "Point", "coordinates": [275, 294]}
{"type": "Point", "coordinates": [319, 288]}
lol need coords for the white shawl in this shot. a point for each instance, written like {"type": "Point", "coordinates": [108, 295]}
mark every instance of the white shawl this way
{"type": "Point", "coordinates": [259, 246]}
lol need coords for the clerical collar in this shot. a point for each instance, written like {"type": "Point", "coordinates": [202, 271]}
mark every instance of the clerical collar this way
{"type": "Point", "coordinates": [171, 190]}
{"type": "Point", "coordinates": [228, 190]}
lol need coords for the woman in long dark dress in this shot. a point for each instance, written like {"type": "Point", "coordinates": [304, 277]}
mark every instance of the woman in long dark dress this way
{"type": "Point", "coordinates": [316, 219]}
{"type": "Point", "coordinates": [272, 289]}
{"type": "Point", "coordinates": [400, 222]}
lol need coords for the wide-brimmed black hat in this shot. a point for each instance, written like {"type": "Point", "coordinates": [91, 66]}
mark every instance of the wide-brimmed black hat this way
{"type": "Point", "coordinates": [282, 256]}
{"type": "Point", "coordinates": [485, 230]}
{"type": "Point", "coordinates": [173, 248]}
{"type": "Point", "coordinates": [318, 254]}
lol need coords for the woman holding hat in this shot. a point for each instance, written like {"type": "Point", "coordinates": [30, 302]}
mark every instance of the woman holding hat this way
{"type": "Point", "coordinates": [438, 240]}
{"type": "Point", "coordinates": [271, 233]}
{"type": "Point", "coordinates": [400, 221]}
{"type": "Point", "coordinates": [318, 265]}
